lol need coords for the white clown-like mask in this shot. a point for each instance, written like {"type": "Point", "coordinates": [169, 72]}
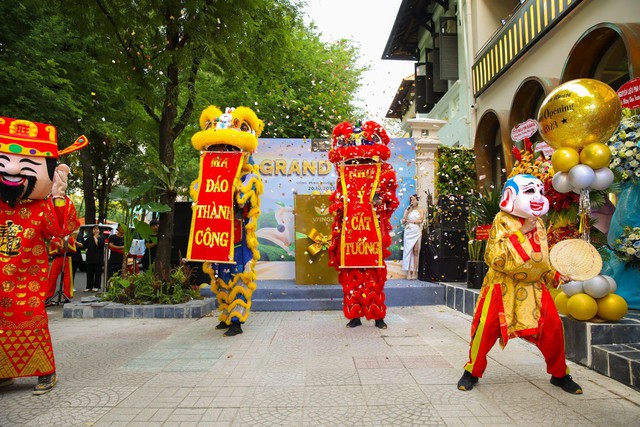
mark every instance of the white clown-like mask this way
{"type": "Point", "coordinates": [523, 196]}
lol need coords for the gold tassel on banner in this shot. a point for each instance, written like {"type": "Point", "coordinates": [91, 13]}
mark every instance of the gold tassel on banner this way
{"type": "Point", "coordinates": [320, 242]}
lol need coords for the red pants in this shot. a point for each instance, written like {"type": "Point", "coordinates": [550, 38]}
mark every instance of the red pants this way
{"type": "Point", "coordinates": [67, 279]}
{"type": "Point", "coordinates": [486, 324]}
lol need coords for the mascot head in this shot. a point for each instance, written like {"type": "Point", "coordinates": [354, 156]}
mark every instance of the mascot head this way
{"type": "Point", "coordinates": [366, 141]}
{"type": "Point", "coordinates": [235, 129]}
{"type": "Point", "coordinates": [523, 196]}
{"type": "Point", "coordinates": [28, 158]}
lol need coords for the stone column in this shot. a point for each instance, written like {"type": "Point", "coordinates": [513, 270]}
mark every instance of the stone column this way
{"type": "Point", "coordinates": [425, 134]}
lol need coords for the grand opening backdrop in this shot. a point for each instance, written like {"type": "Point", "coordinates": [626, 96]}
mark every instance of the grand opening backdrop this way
{"type": "Point", "coordinates": [301, 166]}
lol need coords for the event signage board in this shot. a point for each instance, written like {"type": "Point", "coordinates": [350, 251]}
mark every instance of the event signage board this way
{"type": "Point", "coordinates": [213, 230]}
{"type": "Point", "coordinates": [524, 130]}
{"type": "Point", "coordinates": [290, 167]}
{"type": "Point", "coordinates": [313, 223]}
{"type": "Point", "coordinates": [629, 94]}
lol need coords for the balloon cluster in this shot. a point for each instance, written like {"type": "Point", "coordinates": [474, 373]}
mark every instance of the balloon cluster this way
{"type": "Point", "coordinates": [587, 170]}
{"type": "Point", "coordinates": [591, 299]}
{"type": "Point", "coordinates": [577, 119]}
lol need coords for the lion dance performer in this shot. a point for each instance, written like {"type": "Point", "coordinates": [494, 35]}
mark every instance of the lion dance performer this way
{"type": "Point", "coordinates": [226, 141]}
{"type": "Point", "coordinates": [33, 209]}
{"type": "Point", "coordinates": [514, 300]}
{"type": "Point", "coordinates": [362, 205]}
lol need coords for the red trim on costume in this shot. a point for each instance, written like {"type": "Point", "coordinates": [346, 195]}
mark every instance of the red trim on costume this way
{"type": "Point", "coordinates": [518, 247]}
{"type": "Point", "coordinates": [534, 244]}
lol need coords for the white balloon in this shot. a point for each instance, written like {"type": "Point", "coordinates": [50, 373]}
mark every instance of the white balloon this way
{"type": "Point", "coordinates": [581, 176]}
{"type": "Point", "coordinates": [572, 288]}
{"type": "Point", "coordinates": [613, 286]}
{"type": "Point", "coordinates": [597, 286]}
{"type": "Point", "coordinates": [603, 179]}
{"type": "Point", "coordinates": [561, 183]}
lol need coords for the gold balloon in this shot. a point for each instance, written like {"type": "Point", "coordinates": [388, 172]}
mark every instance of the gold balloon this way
{"type": "Point", "coordinates": [561, 303]}
{"type": "Point", "coordinates": [564, 158]}
{"type": "Point", "coordinates": [582, 306]}
{"type": "Point", "coordinates": [578, 113]}
{"type": "Point", "coordinates": [595, 155]}
{"type": "Point", "coordinates": [612, 307]}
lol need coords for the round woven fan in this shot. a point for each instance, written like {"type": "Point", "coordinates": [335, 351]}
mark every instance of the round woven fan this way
{"type": "Point", "coordinates": [576, 258]}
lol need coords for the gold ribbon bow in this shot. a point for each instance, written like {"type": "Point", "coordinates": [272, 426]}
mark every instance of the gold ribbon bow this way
{"type": "Point", "coordinates": [320, 242]}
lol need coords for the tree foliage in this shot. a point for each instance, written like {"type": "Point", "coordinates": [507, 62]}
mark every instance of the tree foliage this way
{"type": "Point", "coordinates": [131, 74]}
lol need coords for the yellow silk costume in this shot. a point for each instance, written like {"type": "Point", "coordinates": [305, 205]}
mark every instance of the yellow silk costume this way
{"type": "Point", "coordinates": [521, 268]}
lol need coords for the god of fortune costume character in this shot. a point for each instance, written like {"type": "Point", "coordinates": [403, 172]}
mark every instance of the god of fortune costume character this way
{"type": "Point", "coordinates": [229, 139]}
{"type": "Point", "coordinates": [514, 300]}
{"type": "Point", "coordinates": [362, 205]}
{"type": "Point", "coordinates": [61, 251]}
{"type": "Point", "coordinates": [33, 208]}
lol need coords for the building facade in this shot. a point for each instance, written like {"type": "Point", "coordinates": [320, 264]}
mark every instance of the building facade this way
{"type": "Point", "coordinates": [509, 54]}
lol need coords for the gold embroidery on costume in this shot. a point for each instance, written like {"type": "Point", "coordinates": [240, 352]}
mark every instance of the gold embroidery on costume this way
{"type": "Point", "coordinates": [8, 285]}
{"type": "Point", "coordinates": [9, 240]}
{"type": "Point", "coordinates": [29, 233]}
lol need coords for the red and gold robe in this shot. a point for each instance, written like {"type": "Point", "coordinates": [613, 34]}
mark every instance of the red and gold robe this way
{"type": "Point", "coordinates": [25, 343]}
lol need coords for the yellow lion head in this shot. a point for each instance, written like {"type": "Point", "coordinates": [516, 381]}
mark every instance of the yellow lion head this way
{"type": "Point", "coordinates": [236, 127]}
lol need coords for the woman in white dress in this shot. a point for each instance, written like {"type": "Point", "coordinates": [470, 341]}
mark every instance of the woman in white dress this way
{"type": "Point", "coordinates": [412, 221]}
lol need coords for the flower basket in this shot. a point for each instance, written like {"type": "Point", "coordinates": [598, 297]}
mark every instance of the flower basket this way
{"type": "Point", "coordinates": [627, 247]}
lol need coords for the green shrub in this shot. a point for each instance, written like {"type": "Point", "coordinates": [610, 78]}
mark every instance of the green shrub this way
{"type": "Point", "coordinates": [146, 288]}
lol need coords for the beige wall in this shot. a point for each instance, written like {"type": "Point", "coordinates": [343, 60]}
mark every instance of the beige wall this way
{"type": "Point", "coordinates": [487, 15]}
{"type": "Point", "coordinates": [547, 57]}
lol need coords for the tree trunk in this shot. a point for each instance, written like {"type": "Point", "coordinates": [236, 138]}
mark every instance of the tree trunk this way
{"type": "Point", "coordinates": [166, 154]}
{"type": "Point", "coordinates": [88, 187]}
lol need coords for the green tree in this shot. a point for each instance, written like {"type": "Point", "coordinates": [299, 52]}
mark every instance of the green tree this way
{"type": "Point", "coordinates": [55, 71]}
{"type": "Point", "coordinates": [129, 75]}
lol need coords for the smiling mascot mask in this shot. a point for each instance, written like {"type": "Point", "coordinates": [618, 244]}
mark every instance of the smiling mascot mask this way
{"type": "Point", "coordinates": [523, 196]}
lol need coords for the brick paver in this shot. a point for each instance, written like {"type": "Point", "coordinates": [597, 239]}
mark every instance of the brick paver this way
{"type": "Point", "coordinates": [301, 369]}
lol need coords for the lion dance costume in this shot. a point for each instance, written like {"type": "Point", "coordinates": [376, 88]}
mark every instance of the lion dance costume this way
{"type": "Point", "coordinates": [33, 209]}
{"type": "Point", "coordinates": [514, 299]}
{"type": "Point", "coordinates": [233, 133]}
{"type": "Point", "coordinates": [362, 205]}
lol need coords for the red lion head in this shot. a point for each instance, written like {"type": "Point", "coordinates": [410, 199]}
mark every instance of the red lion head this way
{"type": "Point", "coordinates": [366, 141]}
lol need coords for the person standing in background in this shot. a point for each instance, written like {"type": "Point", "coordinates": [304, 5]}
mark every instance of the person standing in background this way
{"type": "Point", "coordinates": [412, 221]}
{"type": "Point", "coordinates": [116, 252]}
{"type": "Point", "coordinates": [94, 259]}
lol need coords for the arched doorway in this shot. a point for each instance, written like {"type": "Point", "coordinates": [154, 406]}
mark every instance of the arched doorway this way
{"type": "Point", "coordinates": [607, 52]}
{"type": "Point", "coordinates": [492, 148]}
{"type": "Point", "coordinates": [527, 101]}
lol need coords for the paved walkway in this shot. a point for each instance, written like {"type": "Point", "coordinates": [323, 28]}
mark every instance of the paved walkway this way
{"type": "Point", "coordinates": [301, 369]}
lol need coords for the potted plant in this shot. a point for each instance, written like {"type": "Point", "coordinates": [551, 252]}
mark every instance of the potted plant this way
{"type": "Point", "coordinates": [483, 207]}
{"type": "Point", "coordinates": [475, 265]}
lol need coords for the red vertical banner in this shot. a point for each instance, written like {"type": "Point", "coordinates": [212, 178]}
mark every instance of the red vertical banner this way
{"type": "Point", "coordinates": [361, 240]}
{"type": "Point", "coordinates": [212, 224]}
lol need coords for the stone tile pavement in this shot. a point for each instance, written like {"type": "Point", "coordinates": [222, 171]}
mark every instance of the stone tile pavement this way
{"type": "Point", "coordinates": [301, 369]}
